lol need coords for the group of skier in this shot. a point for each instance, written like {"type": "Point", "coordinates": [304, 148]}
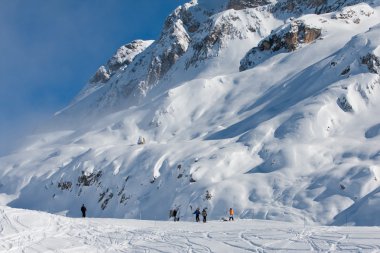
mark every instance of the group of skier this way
{"type": "Point", "coordinates": [175, 214]}
{"type": "Point", "coordinates": [198, 213]}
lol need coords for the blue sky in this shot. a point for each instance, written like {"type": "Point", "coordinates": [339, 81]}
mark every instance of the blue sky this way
{"type": "Point", "coordinates": [50, 48]}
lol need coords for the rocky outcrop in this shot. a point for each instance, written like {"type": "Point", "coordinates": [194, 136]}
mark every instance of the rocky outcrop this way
{"type": "Point", "coordinates": [288, 38]}
{"type": "Point", "coordinates": [120, 60]}
{"type": "Point", "coordinates": [218, 32]}
{"type": "Point", "coordinates": [125, 54]}
{"type": "Point", "coordinates": [344, 104]}
{"type": "Point", "coordinates": [141, 71]}
{"type": "Point", "coordinates": [212, 42]}
{"type": "Point", "coordinates": [373, 63]}
{"type": "Point", "coordinates": [312, 6]}
{"type": "Point", "coordinates": [172, 45]}
{"type": "Point", "coordinates": [65, 185]}
{"type": "Point", "coordinates": [87, 179]}
{"type": "Point", "coordinates": [354, 15]}
{"type": "Point", "coordinates": [101, 75]}
{"type": "Point", "coordinates": [186, 15]}
{"type": "Point", "coordinates": [243, 4]}
{"type": "Point", "coordinates": [173, 42]}
{"type": "Point", "coordinates": [205, 27]}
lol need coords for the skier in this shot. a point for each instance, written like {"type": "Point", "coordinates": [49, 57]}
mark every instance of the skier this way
{"type": "Point", "coordinates": [204, 214]}
{"type": "Point", "coordinates": [83, 209]}
{"type": "Point", "coordinates": [175, 214]}
{"type": "Point", "coordinates": [231, 214]}
{"type": "Point", "coordinates": [197, 213]}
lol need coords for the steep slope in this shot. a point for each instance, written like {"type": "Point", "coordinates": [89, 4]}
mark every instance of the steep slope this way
{"type": "Point", "coordinates": [264, 106]}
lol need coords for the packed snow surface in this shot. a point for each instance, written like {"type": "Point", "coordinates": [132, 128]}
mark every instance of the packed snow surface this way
{"type": "Point", "coordinates": [31, 231]}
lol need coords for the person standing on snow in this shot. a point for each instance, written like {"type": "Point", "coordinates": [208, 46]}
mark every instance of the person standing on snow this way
{"type": "Point", "coordinates": [204, 214]}
{"type": "Point", "coordinates": [83, 209]}
{"type": "Point", "coordinates": [175, 212]}
{"type": "Point", "coordinates": [231, 214]}
{"type": "Point", "coordinates": [197, 213]}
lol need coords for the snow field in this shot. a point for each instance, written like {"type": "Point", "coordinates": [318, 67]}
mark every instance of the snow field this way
{"type": "Point", "coordinates": [31, 231]}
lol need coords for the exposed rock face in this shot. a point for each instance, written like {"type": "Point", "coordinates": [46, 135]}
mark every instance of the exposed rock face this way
{"type": "Point", "coordinates": [101, 75]}
{"type": "Point", "coordinates": [217, 32]}
{"type": "Point", "coordinates": [125, 54]}
{"type": "Point", "coordinates": [121, 59]}
{"type": "Point", "coordinates": [354, 15]}
{"type": "Point", "coordinates": [189, 26]}
{"type": "Point", "coordinates": [291, 37]}
{"type": "Point", "coordinates": [288, 38]}
{"type": "Point", "coordinates": [243, 4]}
{"type": "Point", "coordinates": [89, 178]}
{"type": "Point", "coordinates": [314, 6]}
{"type": "Point", "coordinates": [139, 72]}
{"type": "Point", "coordinates": [210, 45]}
{"type": "Point", "coordinates": [173, 43]}
{"type": "Point", "coordinates": [194, 26]}
{"type": "Point", "coordinates": [344, 104]}
{"type": "Point", "coordinates": [373, 63]}
{"type": "Point", "coordinates": [183, 13]}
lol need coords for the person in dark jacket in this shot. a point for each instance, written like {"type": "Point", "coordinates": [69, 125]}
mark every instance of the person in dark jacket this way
{"type": "Point", "coordinates": [83, 209]}
{"type": "Point", "coordinates": [175, 214]}
{"type": "Point", "coordinates": [197, 213]}
{"type": "Point", "coordinates": [204, 214]}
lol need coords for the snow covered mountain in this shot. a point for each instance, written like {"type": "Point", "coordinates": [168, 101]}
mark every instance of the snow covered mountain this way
{"type": "Point", "coordinates": [269, 107]}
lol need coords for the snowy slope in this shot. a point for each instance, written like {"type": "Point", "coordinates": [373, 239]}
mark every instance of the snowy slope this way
{"type": "Point", "coordinates": [29, 231]}
{"type": "Point", "coordinates": [294, 136]}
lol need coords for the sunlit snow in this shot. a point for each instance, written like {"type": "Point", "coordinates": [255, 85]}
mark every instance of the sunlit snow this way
{"type": "Point", "coordinates": [30, 231]}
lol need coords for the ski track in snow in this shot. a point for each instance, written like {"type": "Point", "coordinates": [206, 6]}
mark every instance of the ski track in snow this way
{"type": "Point", "coordinates": [31, 231]}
